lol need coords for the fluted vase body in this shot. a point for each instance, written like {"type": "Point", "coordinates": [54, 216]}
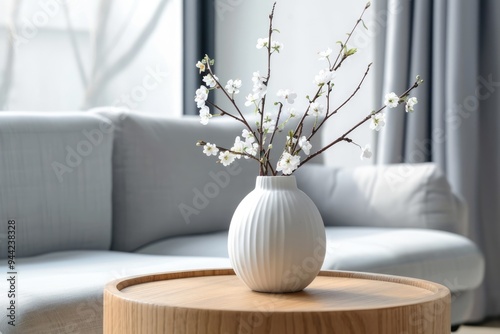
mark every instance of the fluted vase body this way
{"type": "Point", "coordinates": [276, 237]}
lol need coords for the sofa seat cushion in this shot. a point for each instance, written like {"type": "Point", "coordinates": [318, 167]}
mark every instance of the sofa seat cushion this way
{"type": "Point", "coordinates": [209, 244]}
{"type": "Point", "coordinates": [442, 257]}
{"type": "Point", "coordinates": [62, 292]}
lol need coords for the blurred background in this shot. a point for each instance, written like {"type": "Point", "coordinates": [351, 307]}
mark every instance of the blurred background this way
{"type": "Point", "coordinates": [74, 55]}
{"type": "Point", "coordinates": [60, 55]}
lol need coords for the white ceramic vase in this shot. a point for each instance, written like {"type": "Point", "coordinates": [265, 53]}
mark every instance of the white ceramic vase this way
{"type": "Point", "coordinates": [276, 237]}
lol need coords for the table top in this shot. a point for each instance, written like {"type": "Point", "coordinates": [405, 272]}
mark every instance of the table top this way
{"type": "Point", "coordinates": [216, 301]}
{"type": "Point", "coordinates": [331, 290]}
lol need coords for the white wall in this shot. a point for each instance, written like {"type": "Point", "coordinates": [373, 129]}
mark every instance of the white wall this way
{"type": "Point", "coordinates": [306, 27]}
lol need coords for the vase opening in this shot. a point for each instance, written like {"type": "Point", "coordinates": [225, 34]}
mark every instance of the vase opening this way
{"type": "Point", "coordinates": [276, 182]}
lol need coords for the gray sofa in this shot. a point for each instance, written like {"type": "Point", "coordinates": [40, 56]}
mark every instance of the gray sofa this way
{"type": "Point", "coordinates": [100, 195]}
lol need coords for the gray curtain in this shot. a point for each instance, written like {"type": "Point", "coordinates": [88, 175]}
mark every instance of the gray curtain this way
{"type": "Point", "coordinates": [198, 40]}
{"type": "Point", "coordinates": [455, 46]}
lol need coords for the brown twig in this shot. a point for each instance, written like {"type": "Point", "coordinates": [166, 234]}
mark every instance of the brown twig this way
{"type": "Point", "coordinates": [263, 164]}
{"type": "Point", "coordinates": [313, 132]}
{"type": "Point", "coordinates": [223, 112]}
{"type": "Point", "coordinates": [335, 65]}
{"type": "Point", "coordinates": [223, 149]}
{"type": "Point", "coordinates": [268, 152]}
{"type": "Point", "coordinates": [218, 85]}
{"type": "Point", "coordinates": [344, 136]}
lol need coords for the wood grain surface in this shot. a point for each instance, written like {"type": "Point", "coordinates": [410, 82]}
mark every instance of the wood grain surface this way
{"type": "Point", "coordinates": [216, 301]}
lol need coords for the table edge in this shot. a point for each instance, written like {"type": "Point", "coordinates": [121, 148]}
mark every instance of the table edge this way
{"type": "Point", "coordinates": [115, 286]}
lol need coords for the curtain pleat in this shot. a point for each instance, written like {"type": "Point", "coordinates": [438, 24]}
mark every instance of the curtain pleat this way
{"type": "Point", "coordinates": [417, 144]}
{"type": "Point", "coordinates": [395, 76]}
{"type": "Point", "coordinates": [198, 40]}
{"type": "Point", "coordinates": [455, 46]}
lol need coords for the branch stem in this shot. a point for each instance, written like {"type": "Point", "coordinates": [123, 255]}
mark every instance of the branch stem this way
{"type": "Point", "coordinates": [344, 136]}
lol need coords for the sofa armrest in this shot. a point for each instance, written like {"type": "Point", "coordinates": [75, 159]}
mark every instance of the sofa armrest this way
{"type": "Point", "coordinates": [55, 181]}
{"type": "Point", "coordinates": [399, 195]}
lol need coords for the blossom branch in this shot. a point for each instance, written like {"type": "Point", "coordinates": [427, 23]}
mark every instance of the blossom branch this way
{"type": "Point", "coordinates": [223, 112]}
{"type": "Point", "coordinates": [223, 149]}
{"type": "Point", "coordinates": [328, 115]}
{"type": "Point", "coordinates": [298, 129]}
{"type": "Point", "coordinates": [268, 151]}
{"type": "Point", "coordinates": [343, 46]}
{"type": "Point", "coordinates": [276, 124]}
{"type": "Point", "coordinates": [254, 142]}
{"type": "Point", "coordinates": [218, 85]}
{"type": "Point", "coordinates": [263, 168]}
{"type": "Point", "coordinates": [270, 166]}
{"type": "Point", "coordinates": [242, 118]}
{"type": "Point", "coordinates": [364, 120]}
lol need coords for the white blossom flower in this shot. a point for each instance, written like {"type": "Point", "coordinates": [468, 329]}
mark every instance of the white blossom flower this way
{"type": "Point", "coordinates": [258, 84]}
{"type": "Point", "coordinates": [292, 140]}
{"type": "Point", "coordinates": [268, 117]}
{"type": "Point", "coordinates": [256, 137]}
{"type": "Point", "coordinates": [244, 147]}
{"type": "Point", "coordinates": [200, 103]}
{"type": "Point", "coordinates": [251, 148]}
{"type": "Point", "coordinates": [366, 153]}
{"type": "Point", "coordinates": [305, 145]}
{"type": "Point", "coordinates": [251, 99]}
{"type": "Point", "coordinates": [288, 163]}
{"type": "Point", "coordinates": [410, 104]}
{"type": "Point", "coordinates": [238, 147]}
{"type": "Point", "coordinates": [210, 149]}
{"type": "Point", "coordinates": [276, 46]}
{"type": "Point", "coordinates": [248, 135]}
{"type": "Point", "coordinates": [257, 78]}
{"type": "Point", "coordinates": [260, 90]}
{"type": "Point", "coordinates": [391, 100]}
{"type": "Point", "coordinates": [377, 121]}
{"type": "Point", "coordinates": [324, 76]}
{"type": "Point", "coordinates": [232, 86]}
{"type": "Point", "coordinates": [205, 115]}
{"type": "Point", "coordinates": [262, 42]}
{"type": "Point", "coordinates": [287, 95]}
{"type": "Point", "coordinates": [201, 96]}
{"type": "Point", "coordinates": [325, 54]}
{"type": "Point", "coordinates": [269, 125]}
{"type": "Point", "coordinates": [202, 92]}
{"type": "Point", "coordinates": [201, 66]}
{"type": "Point", "coordinates": [291, 112]}
{"type": "Point", "coordinates": [227, 158]}
{"type": "Point", "coordinates": [315, 109]}
{"type": "Point", "coordinates": [209, 80]}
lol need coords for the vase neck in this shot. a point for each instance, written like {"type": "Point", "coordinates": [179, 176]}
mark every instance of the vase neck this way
{"type": "Point", "coordinates": [276, 182]}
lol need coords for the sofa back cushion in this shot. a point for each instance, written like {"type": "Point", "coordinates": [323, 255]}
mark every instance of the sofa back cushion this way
{"type": "Point", "coordinates": [163, 184]}
{"type": "Point", "coordinates": [55, 181]}
{"type": "Point", "coordinates": [397, 195]}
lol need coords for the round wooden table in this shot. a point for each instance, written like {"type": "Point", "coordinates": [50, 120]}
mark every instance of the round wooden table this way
{"type": "Point", "coordinates": [216, 301]}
